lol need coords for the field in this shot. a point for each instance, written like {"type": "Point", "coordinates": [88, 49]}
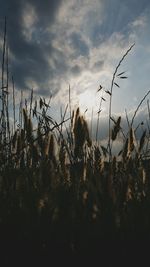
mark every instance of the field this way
{"type": "Point", "coordinates": [62, 193]}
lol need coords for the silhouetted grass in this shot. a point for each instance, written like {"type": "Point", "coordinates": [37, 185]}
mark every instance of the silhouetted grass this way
{"type": "Point", "coordinates": [60, 194]}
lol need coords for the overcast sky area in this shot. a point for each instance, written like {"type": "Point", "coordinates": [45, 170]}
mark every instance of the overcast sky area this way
{"type": "Point", "coordinates": [79, 42]}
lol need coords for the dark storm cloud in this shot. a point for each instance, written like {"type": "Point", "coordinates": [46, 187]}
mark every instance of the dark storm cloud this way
{"type": "Point", "coordinates": [30, 59]}
{"type": "Point", "coordinates": [46, 10]}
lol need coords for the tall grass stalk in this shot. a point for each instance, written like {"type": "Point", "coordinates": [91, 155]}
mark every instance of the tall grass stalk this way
{"type": "Point", "coordinates": [110, 102]}
{"type": "Point", "coordinates": [3, 112]}
{"type": "Point", "coordinates": [98, 118]}
{"type": "Point", "coordinates": [14, 108]}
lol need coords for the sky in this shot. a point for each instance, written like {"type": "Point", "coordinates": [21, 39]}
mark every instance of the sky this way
{"type": "Point", "coordinates": [54, 44]}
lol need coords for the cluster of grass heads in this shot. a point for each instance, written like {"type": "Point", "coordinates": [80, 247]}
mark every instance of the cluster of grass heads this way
{"type": "Point", "coordinates": [64, 188]}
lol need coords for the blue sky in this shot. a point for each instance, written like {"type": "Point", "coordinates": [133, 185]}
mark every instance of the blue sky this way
{"type": "Point", "coordinates": [79, 42]}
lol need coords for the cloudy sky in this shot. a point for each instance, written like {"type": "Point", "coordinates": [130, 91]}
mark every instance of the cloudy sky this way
{"type": "Point", "coordinates": [54, 43]}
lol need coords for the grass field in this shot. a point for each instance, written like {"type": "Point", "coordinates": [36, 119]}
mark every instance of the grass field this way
{"type": "Point", "coordinates": [63, 193]}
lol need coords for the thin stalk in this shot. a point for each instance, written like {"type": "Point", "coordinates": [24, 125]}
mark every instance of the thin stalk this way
{"type": "Point", "coordinates": [70, 125]}
{"type": "Point", "coordinates": [14, 112]}
{"type": "Point", "coordinates": [3, 86]}
{"type": "Point", "coordinates": [98, 117]}
{"type": "Point", "coordinates": [20, 110]}
{"type": "Point", "coordinates": [7, 102]}
{"type": "Point", "coordinates": [48, 104]}
{"type": "Point", "coordinates": [110, 103]}
{"type": "Point", "coordinates": [70, 102]}
{"type": "Point", "coordinates": [148, 109]}
{"type": "Point", "coordinates": [31, 100]}
{"type": "Point", "coordinates": [91, 123]}
{"type": "Point", "coordinates": [127, 119]}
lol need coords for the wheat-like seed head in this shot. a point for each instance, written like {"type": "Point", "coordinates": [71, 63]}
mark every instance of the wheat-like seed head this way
{"type": "Point", "coordinates": [142, 141]}
{"type": "Point", "coordinates": [116, 129]}
{"type": "Point", "coordinates": [131, 143]}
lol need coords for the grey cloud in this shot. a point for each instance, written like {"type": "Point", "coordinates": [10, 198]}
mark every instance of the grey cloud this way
{"type": "Point", "coordinates": [79, 45]}
{"type": "Point", "coordinates": [30, 70]}
{"type": "Point", "coordinates": [46, 10]}
{"type": "Point", "coordinates": [43, 91]}
{"type": "Point", "coordinates": [60, 61]}
{"type": "Point", "coordinates": [30, 59]}
{"type": "Point", "coordinates": [52, 89]}
{"type": "Point", "coordinates": [117, 17]}
{"type": "Point", "coordinates": [76, 70]}
{"type": "Point", "coordinates": [98, 65]}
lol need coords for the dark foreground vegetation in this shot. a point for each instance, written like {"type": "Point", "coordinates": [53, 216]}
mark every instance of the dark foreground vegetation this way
{"type": "Point", "coordinates": [63, 195]}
